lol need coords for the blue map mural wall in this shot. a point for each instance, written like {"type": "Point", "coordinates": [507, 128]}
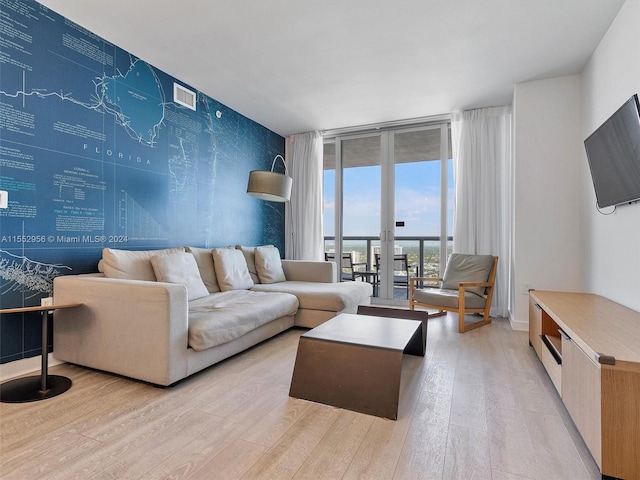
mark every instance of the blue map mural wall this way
{"type": "Point", "coordinates": [94, 153]}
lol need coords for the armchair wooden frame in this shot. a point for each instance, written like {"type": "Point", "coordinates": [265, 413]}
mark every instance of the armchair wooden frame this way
{"type": "Point", "coordinates": [461, 310]}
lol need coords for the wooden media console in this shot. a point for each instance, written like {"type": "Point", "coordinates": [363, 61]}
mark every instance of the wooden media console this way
{"type": "Point", "coordinates": [590, 347]}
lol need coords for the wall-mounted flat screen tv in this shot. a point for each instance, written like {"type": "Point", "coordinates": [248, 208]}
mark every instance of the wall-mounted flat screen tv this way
{"type": "Point", "coordinates": [613, 151]}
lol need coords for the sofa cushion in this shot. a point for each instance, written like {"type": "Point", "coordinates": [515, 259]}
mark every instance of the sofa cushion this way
{"type": "Point", "coordinates": [467, 268]}
{"type": "Point", "coordinates": [333, 297]}
{"type": "Point", "coordinates": [249, 256]}
{"type": "Point", "coordinates": [231, 269]}
{"type": "Point", "coordinates": [222, 317]}
{"type": "Point", "coordinates": [180, 268]}
{"type": "Point", "coordinates": [269, 265]}
{"type": "Point", "coordinates": [131, 264]}
{"type": "Point", "coordinates": [204, 259]}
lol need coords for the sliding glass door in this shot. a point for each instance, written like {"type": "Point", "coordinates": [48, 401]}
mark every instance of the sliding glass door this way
{"type": "Point", "coordinates": [353, 203]}
{"type": "Point", "coordinates": [388, 207]}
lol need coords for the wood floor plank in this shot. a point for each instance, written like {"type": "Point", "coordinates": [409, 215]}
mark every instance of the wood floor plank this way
{"type": "Point", "coordinates": [468, 407]}
{"type": "Point", "coordinates": [468, 454]}
{"type": "Point", "coordinates": [189, 459]}
{"type": "Point", "coordinates": [552, 442]}
{"type": "Point", "coordinates": [232, 462]}
{"type": "Point", "coordinates": [91, 392]}
{"type": "Point", "coordinates": [132, 462]}
{"type": "Point", "coordinates": [268, 430]}
{"type": "Point", "coordinates": [378, 454]}
{"type": "Point", "coordinates": [424, 449]}
{"type": "Point", "coordinates": [283, 460]}
{"type": "Point", "coordinates": [133, 453]}
{"type": "Point", "coordinates": [55, 450]}
{"type": "Point", "coordinates": [498, 475]}
{"type": "Point", "coordinates": [511, 447]}
{"type": "Point", "coordinates": [499, 390]}
{"type": "Point", "coordinates": [336, 449]}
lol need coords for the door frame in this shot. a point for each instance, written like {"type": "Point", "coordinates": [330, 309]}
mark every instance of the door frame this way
{"type": "Point", "coordinates": [387, 195]}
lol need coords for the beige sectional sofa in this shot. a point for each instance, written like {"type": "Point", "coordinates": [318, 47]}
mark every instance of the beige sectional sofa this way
{"type": "Point", "coordinates": [162, 315]}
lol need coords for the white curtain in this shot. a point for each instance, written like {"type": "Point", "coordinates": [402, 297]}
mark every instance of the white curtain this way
{"type": "Point", "coordinates": [482, 154]}
{"type": "Point", "coordinates": [304, 224]}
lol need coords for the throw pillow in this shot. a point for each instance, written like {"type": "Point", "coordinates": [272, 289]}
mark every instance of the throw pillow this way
{"type": "Point", "coordinates": [131, 264]}
{"type": "Point", "coordinates": [231, 269]}
{"type": "Point", "coordinates": [180, 268]}
{"type": "Point", "coordinates": [204, 259]}
{"type": "Point", "coordinates": [269, 265]}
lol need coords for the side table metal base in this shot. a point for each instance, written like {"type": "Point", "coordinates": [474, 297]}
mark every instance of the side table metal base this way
{"type": "Point", "coordinates": [29, 389]}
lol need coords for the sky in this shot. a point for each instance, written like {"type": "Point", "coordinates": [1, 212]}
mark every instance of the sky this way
{"type": "Point", "coordinates": [417, 200]}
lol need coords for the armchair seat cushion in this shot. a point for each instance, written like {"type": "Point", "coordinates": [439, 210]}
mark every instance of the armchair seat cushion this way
{"type": "Point", "coordinates": [447, 298]}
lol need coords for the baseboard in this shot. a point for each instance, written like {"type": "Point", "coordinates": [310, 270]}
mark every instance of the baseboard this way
{"type": "Point", "coordinates": [518, 325]}
{"type": "Point", "coordinates": [22, 367]}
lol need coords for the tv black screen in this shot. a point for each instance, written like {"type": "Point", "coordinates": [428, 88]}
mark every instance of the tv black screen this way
{"type": "Point", "coordinates": [613, 151]}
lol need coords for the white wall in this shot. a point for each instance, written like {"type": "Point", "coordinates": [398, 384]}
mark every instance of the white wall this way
{"type": "Point", "coordinates": [611, 253]}
{"type": "Point", "coordinates": [547, 184]}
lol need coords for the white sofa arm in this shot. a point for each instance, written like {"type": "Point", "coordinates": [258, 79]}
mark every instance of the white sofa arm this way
{"type": "Point", "coordinates": [134, 328]}
{"type": "Point", "coordinates": [309, 271]}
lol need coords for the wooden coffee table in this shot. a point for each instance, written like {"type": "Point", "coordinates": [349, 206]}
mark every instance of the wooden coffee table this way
{"type": "Point", "coordinates": [354, 362]}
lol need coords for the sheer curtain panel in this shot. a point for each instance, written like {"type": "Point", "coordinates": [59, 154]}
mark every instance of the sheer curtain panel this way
{"type": "Point", "coordinates": [304, 226]}
{"type": "Point", "coordinates": [482, 155]}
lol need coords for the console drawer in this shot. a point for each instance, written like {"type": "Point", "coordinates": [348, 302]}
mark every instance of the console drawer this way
{"type": "Point", "coordinates": [553, 368]}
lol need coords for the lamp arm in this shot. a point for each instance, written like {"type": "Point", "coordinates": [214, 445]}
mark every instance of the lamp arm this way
{"type": "Point", "coordinates": [273, 164]}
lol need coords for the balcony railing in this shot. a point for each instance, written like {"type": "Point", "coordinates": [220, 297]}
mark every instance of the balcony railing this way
{"type": "Point", "coordinates": [423, 253]}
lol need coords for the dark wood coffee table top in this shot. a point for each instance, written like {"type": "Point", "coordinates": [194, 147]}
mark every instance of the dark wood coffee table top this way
{"type": "Point", "coordinates": [367, 330]}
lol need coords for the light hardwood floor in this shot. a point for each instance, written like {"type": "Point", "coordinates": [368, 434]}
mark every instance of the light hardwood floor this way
{"type": "Point", "coordinates": [478, 406]}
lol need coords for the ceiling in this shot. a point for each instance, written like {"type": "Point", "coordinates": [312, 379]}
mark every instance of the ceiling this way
{"type": "Point", "coordinates": [296, 66]}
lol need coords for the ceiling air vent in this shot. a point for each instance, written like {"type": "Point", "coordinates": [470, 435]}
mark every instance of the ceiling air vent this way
{"type": "Point", "coordinates": [184, 96]}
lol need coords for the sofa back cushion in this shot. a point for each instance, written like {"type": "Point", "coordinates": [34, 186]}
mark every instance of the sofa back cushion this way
{"type": "Point", "coordinates": [231, 269]}
{"type": "Point", "coordinates": [249, 256]}
{"type": "Point", "coordinates": [180, 268]}
{"type": "Point", "coordinates": [269, 265]}
{"type": "Point", "coordinates": [204, 259]}
{"type": "Point", "coordinates": [131, 264]}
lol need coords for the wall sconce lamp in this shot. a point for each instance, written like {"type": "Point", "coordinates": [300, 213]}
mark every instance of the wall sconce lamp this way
{"type": "Point", "coordinates": [271, 186]}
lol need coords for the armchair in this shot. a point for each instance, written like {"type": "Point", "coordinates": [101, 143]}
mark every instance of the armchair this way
{"type": "Point", "coordinates": [467, 287]}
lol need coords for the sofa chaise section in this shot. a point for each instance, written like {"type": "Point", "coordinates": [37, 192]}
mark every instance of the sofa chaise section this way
{"type": "Point", "coordinates": [320, 302]}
